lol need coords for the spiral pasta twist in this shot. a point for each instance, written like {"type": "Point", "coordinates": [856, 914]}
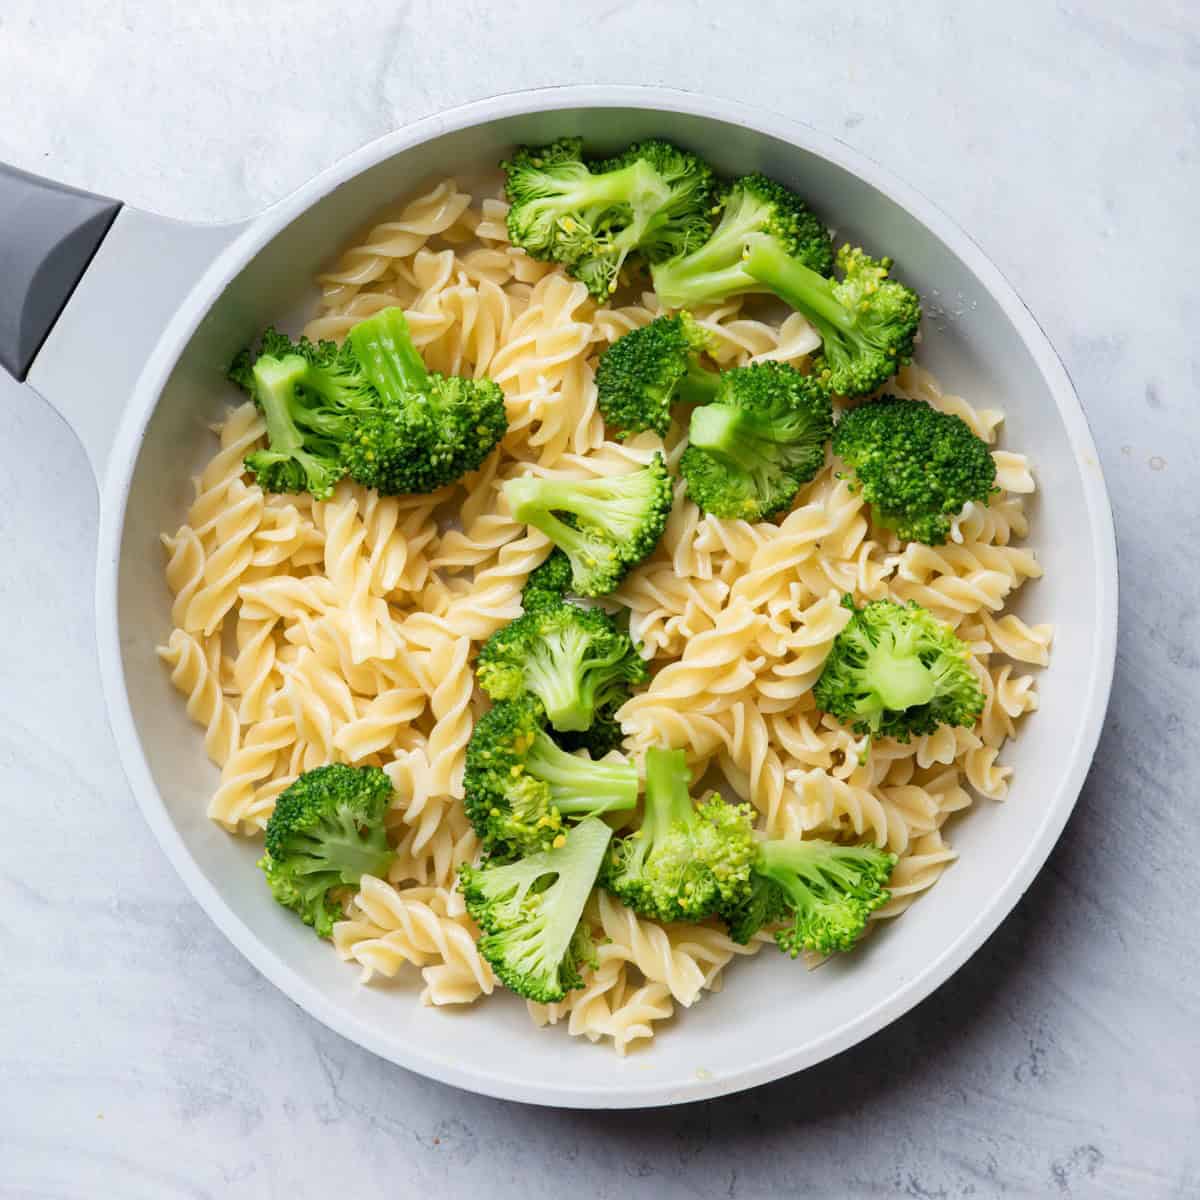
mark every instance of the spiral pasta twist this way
{"type": "Point", "coordinates": [195, 672]}
{"type": "Point", "coordinates": [426, 927]}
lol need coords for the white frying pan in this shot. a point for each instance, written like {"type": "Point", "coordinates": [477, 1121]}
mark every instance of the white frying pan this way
{"type": "Point", "coordinates": [135, 364]}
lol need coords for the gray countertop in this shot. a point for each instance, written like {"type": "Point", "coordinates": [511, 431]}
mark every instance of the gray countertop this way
{"type": "Point", "coordinates": [140, 1056]}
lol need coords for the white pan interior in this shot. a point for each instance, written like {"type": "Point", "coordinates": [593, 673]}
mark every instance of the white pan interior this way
{"type": "Point", "coordinates": [772, 1015]}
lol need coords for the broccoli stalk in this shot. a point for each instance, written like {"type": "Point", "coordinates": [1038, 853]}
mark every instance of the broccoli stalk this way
{"type": "Point", "coordinates": [643, 373]}
{"type": "Point", "coordinates": [325, 834]}
{"type": "Point", "coordinates": [754, 448]}
{"type": "Point", "coordinates": [654, 197]}
{"type": "Point", "coordinates": [917, 467]}
{"type": "Point", "coordinates": [867, 321]}
{"type": "Point", "coordinates": [368, 408]}
{"type": "Point", "coordinates": [897, 671]}
{"type": "Point", "coordinates": [684, 863]}
{"type": "Point", "coordinates": [530, 913]}
{"type": "Point", "coordinates": [572, 659]}
{"type": "Point", "coordinates": [519, 785]}
{"type": "Point", "coordinates": [824, 891]}
{"type": "Point", "coordinates": [753, 206]}
{"type": "Point", "coordinates": [615, 520]}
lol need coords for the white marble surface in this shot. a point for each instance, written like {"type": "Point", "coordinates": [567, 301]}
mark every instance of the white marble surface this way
{"type": "Point", "coordinates": [141, 1057]}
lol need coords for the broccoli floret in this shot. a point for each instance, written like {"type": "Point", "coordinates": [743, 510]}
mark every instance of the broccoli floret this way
{"type": "Point", "coordinates": [519, 785]}
{"type": "Point", "coordinates": [297, 458]}
{"type": "Point", "coordinates": [654, 198]}
{"type": "Point", "coordinates": [548, 583]}
{"type": "Point", "coordinates": [761, 441]}
{"type": "Point", "coordinates": [867, 321]}
{"type": "Point", "coordinates": [325, 834]}
{"type": "Point", "coordinates": [895, 670]}
{"type": "Point", "coordinates": [572, 659]}
{"type": "Point", "coordinates": [826, 891]}
{"type": "Point", "coordinates": [917, 467]}
{"type": "Point", "coordinates": [604, 526]}
{"type": "Point", "coordinates": [530, 913]}
{"type": "Point", "coordinates": [642, 374]}
{"type": "Point", "coordinates": [753, 207]}
{"type": "Point", "coordinates": [368, 408]}
{"type": "Point", "coordinates": [685, 862]}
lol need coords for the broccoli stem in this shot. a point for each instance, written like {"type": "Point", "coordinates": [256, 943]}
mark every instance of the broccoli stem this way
{"type": "Point", "coordinates": [793, 282]}
{"type": "Point", "coordinates": [723, 431]}
{"type": "Point", "coordinates": [535, 501]}
{"type": "Point", "coordinates": [901, 682]}
{"type": "Point", "coordinates": [579, 785]}
{"type": "Point", "coordinates": [799, 865]}
{"type": "Point", "coordinates": [699, 385]}
{"type": "Point", "coordinates": [554, 672]}
{"type": "Point", "coordinates": [612, 188]}
{"type": "Point", "coordinates": [275, 382]}
{"type": "Point", "coordinates": [668, 800]}
{"type": "Point", "coordinates": [385, 351]}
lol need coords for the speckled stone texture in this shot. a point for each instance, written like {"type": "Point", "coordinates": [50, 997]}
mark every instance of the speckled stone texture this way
{"type": "Point", "coordinates": [141, 1057]}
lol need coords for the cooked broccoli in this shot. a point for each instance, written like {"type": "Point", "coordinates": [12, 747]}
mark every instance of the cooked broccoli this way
{"type": "Point", "coordinates": [530, 912]}
{"type": "Point", "coordinates": [867, 321]}
{"type": "Point", "coordinates": [642, 374]}
{"type": "Point", "coordinates": [606, 524]}
{"type": "Point", "coordinates": [325, 834]}
{"type": "Point", "coordinates": [753, 207]}
{"type": "Point", "coordinates": [571, 658]}
{"type": "Point", "coordinates": [917, 467]}
{"type": "Point", "coordinates": [369, 408]}
{"type": "Point", "coordinates": [519, 785]}
{"type": "Point", "coordinates": [654, 198]}
{"type": "Point", "coordinates": [298, 458]}
{"type": "Point", "coordinates": [762, 439]}
{"type": "Point", "coordinates": [897, 671]}
{"type": "Point", "coordinates": [684, 863]}
{"type": "Point", "coordinates": [548, 583]}
{"type": "Point", "coordinates": [826, 891]}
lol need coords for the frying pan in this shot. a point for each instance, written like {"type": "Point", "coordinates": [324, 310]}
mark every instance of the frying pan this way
{"type": "Point", "coordinates": [125, 321]}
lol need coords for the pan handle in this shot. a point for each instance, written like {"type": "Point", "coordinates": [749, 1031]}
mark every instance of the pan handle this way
{"type": "Point", "coordinates": [87, 286]}
{"type": "Point", "coordinates": [48, 235]}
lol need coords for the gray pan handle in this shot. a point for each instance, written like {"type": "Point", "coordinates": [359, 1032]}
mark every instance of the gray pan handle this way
{"type": "Point", "coordinates": [48, 235]}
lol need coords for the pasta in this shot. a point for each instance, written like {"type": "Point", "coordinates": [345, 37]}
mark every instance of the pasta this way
{"type": "Point", "coordinates": [344, 630]}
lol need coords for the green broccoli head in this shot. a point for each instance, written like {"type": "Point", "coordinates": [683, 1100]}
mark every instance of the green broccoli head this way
{"type": "Point", "coordinates": [519, 785]}
{"type": "Point", "coordinates": [824, 891]}
{"type": "Point", "coordinates": [572, 659]}
{"type": "Point", "coordinates": [867, 321]}
{"type": "Point", "coordinates": [757, 445]}
{"type": "Point", "coordinates": [531, 910]}
{"type": "Point", "coordinates": [591, 218]}
{"type": "Point", "coordinates": [325, 834]}
{"type": "Point", "coordinates": [604, 526]}
{"type": "Point", "coordinates": [368, 408]}
{"type": "Point", "coordinates": [753, 207]}
{"type": "Point", "coordinates": [685, 862]}
{"type": "Point", "coordinates": [917, 467]}
{"type": "Point", "coordinates": [548, 583]}
{"type": "Point", "coordinates": [642, 374]}
{"type": "Point", "coordinates": [895, 670]}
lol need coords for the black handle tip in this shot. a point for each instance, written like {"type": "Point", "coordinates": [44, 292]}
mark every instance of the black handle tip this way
{"type": "Point", "coordinates": [48, 235]}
